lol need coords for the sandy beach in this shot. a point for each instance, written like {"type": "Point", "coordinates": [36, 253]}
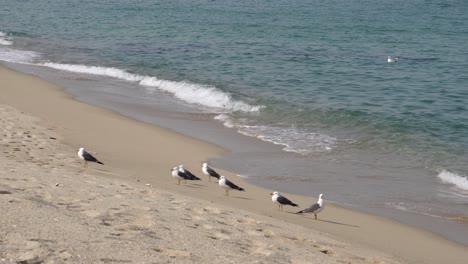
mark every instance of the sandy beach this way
{"type": "Point", "coordinates": [130, 210]}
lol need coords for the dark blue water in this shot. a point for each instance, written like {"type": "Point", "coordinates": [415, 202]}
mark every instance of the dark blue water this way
{"type": "Point", "coordinates": [309, 76]}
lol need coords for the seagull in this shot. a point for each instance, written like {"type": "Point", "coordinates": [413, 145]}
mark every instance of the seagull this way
{"type": "Point", "coordinates": [390, 59]}
{"type": "Point", "coordinates": [281, 200]}
{"type": "Point", "coordinates": [84, 155]}
{"type": "Point", "coordinates": [209, 172]}
{"type": "Point", "coordinates": [189, 175]}
{"type": "Point", "coordinates": [227, 185]}
{"type": "Point", "coordinates": [315, 208]}
{"type": "Point", "coordinates": [177, 174]}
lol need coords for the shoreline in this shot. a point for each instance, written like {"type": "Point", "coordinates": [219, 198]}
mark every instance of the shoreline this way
{"type": "Point", "coordinates": [256, 156]}
{"type": "Point", "coordinates": [142, 160]}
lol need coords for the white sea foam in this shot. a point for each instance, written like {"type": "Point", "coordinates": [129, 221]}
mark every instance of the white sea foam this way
{"type": "Point", "coordinates": [225, 119]}
{"type": "Point", "coordinates": [96, 70]}
{"type": "Point", "coordinates": [5, 39]}
{"type": "Point", "coordinates": [413, 208]}
{"type": "Point", "coordinates": [452, 178]}
{"type": "Point", "coordinates": [291, 138]}
{"type": "Point", "coordinates": [5, 42]}
{"type": "Point", "coordinates": [199, 94]}
{"type": "Point", "coordinates": [18, 56]}
{"type": "Point", "coordinates": [399, 206]}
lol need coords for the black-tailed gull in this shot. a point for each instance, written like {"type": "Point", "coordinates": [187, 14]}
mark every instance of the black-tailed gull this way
{"type": "Point", "coordinates": [315, 208]}
{"type": "Point", "coordinates": [209, 172]}
{"type": "Point", "coordinates": [84, 155]}
{"type": "Point", "coordinates": [227, 185]}
{"type": "Point", "coordinates": [281, 200]}
{"type": "Point", "coordinates": [190, 176]}
{"type": "Point", "coordinates": [178, 175]}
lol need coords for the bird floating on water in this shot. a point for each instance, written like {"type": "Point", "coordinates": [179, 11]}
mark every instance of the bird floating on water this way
{"type": "Point", "coordinates": [391, 60]}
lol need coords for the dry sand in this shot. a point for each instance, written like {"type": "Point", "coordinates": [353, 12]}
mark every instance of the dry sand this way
{"type": "Point", "coordinates": [110, 215]}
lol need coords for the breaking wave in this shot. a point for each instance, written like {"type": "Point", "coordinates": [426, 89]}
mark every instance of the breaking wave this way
{"type": "Point", "coordinates": [5, 39]}
{"type": "Point", "coordinates": [204, 95]}
{"type": "Point", "coordinates": [452, 178]}
{"type": "Point", "coordinates": [96, 70]}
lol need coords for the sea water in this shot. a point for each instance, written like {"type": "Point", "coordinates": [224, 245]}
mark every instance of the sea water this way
{"type": "Point", "coordinates": [299, 91]}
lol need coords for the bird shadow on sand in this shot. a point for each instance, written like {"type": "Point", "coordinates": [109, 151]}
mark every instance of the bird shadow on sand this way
{"type": "Point", "coordinates": [194, 186]}
{"type": "Point", "coordinates": [328, 221]}
{"type": "Point", "coordinates": [337, 223]}
{"type": "Point", "coordinates": [101, 169]}
{"type": "Point", "coordinates": [243, 198]}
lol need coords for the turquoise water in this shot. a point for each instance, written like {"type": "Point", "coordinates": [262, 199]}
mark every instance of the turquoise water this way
{"type": "Point", "coordinates": [309, 76]}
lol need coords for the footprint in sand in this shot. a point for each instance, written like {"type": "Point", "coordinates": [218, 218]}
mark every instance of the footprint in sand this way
{"type": "Point", "coordinates": [34, 252]}
{"type": "Point", "coordinates": [208, 227]}
{"type": "Point", "coordinates": [91, 213]}
{"type": "Point", "coordinates": [328, 252]}
{"type": "Point", "coordinates": [212, 210]}
{"type": "Point", "coordinates": [219, 236]}
{"type": "Point", "coordinates": [172, 252]}
{"type": "Point", "coordinates": [259, 232]}
{"type": "Point", "coordinates": [198, 218]}
{"type": "Point", "coordinates": [262, 248]}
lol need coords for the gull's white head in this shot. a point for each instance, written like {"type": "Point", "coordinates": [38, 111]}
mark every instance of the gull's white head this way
{"type": "Point", "coordinates": [275, 193]}
{"type": "Point", "coordinates": [204, 164]}
{"type": "Point", "coordinates": [222, 177]}
{"type": "Point", "coordinates": [80, 153]}
{"type": "Point", "coordinates": [320, 196]}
